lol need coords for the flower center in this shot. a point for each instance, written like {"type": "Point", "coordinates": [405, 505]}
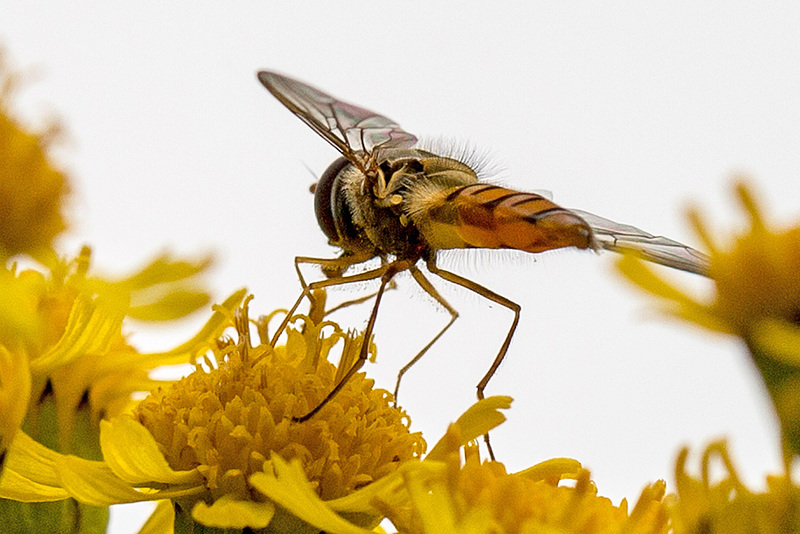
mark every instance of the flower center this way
{"type": "Point", "coordinates": [228, 420]}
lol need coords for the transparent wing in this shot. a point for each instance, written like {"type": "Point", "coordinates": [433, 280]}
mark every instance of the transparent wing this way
{"type": "Point", "coordinates": [658, 249]}
{"type": "Point", "coordinates": [355, 132]}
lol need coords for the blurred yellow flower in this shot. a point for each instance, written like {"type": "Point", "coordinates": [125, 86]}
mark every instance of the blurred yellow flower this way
{"type": "Point", "coordinates": [72, 338]}
{"type": "Point", "coordinates": [79, 364]}
{"type": "Point", "coordinates": [757, 277]}
{"type": "Point", "coordinates": [64, 357]}
{"type": "Point", "coordinates": [454, 494]}
{"type": "Point", "coordinates": [32, 189]}
{"type": "Point", "coordinates": [72, 367]}
{"type": "Point", "coordinates": [757, 281]}
{"type": "Point", "coordinates": [723, 505]}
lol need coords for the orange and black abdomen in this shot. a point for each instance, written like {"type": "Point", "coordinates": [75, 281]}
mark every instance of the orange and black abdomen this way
{"type": "Point", "coordinates": [488, 216]}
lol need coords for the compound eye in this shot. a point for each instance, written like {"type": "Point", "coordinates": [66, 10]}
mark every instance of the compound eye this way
{"type": "Point", "coordinates": [323, 198]}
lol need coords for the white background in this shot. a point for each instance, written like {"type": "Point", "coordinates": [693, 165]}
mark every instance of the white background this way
{"type": "Point", "coordinates": [630, 111]}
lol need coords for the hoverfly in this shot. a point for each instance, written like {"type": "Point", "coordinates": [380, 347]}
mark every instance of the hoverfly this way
{"type": "Point", "coordinates": [386, 198]}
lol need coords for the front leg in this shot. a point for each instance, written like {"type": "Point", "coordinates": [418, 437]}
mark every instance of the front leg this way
{"type": "Point", "coordinates": [385, 273]}
{"type": "Point", "coordinates": [339, 264]}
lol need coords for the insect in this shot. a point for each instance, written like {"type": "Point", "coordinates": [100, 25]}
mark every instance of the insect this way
{"type": "Point", "coordinates": [385, 197]}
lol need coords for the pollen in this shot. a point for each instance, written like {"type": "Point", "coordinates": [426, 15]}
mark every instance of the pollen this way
{"type": "Point", "coordinates": [228, 420]}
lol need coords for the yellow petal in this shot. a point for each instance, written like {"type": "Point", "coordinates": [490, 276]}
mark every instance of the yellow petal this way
{"type": "Point", "coordinates": [161, 521]}
{"type": "Point", "coordinates": [432, 502]}
{"type": "Point", "coordinates": [164, 269]}
{"type": "Point", "coordinates": [132, 454]}
{"type": "Point", "coordinates": [18, 488]}
{"type": "Point", "coordinates": [555, 469]}
{"type": "Point", "coordinates": [30, 472]}
{"type": "Point", "coordinates": [91, 328]}
{"type": "Point", "coordinates": [15, 392]}
{"type": "Point", "coordinates": [705, 317]}
{"type": "Point", "coordinates": [479, 520]}
{"type": "Point", "coordinates": [701, 229]}
{"type": "Point", "coordinates": [360, 501]}
{"type": "Point", "coordinates": [227, 512]}
{"type": "Point", "coordinates": [479, 419]}
{"type": "Point", "coordinates": [290, 489]}
{"type": "Point", "coordinates": [169, 306]}
{"type": "Point", "coordinates": [648, 509]}
{"type": "Point", "coordinates": [645, 277]}
{"type": "Point", "coordinates": [94, 483]}
{"type": "Point", "coordinates": [680, 304]}
{"type": "Point", "coordinates": [211, 330]}
{"type": "Point", "coordinates": [33, 460]}
{"type": "Point", "coordinates": [19, 298]}
{"type": "Point", "coordinates": [750, 205]}
{"type": "Point", "coordinates": [162, 291]}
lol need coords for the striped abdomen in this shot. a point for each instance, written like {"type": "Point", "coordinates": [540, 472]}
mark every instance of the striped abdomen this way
{"type": "Point", "coordinates": [482, 215]}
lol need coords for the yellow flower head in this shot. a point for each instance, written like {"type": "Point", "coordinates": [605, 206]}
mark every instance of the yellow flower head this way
{"type": "Point", "coordinates": [205, 441]}
{"type": "Point", "coordinates": [723, 504]}
{"type": "Point", "coordinates": [757, 282]}
{"type": "Point", "coordinates": [227, 421]}
{"type": "Point", "coordinates": [454, 494]}
{"type": "Point", "coordinates": [757, 277]}
{"type": "Point", "coordinates": [31, 188]}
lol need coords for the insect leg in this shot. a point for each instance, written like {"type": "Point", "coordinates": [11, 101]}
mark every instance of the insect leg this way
{"type": "Point", "coordinates": [430, 290]}
{"type": "Point", "coordinates": [386, 273]}
{"type": "Point", "coordinates": [494, 297]}
{"type": "Point", "coordinates": [340, 263]}
{"type": "Point", "coordinates": [346, 304]}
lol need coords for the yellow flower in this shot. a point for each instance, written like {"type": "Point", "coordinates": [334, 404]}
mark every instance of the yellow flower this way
{"type": "Point", "coordinates": [32, 189]}
{"type": "Point", "coordinates": [757, 277]}
{"type": "Point", "coordinates": [72, 337]}
{"type": "Point", "coordinates": [79, 366]}
{"type": "Point", "coordinates": [451, 495]}
{"type": "Point", "coordinates": [64, 358]}
{"type": "Point", "coordinates": [203, 441]}
{"type": "Point", "coordinates": [757, 281]}
{"type": "Point", "coordinates": [715, 504]}
{"type": "Point", "coordinates": [64, 363]}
